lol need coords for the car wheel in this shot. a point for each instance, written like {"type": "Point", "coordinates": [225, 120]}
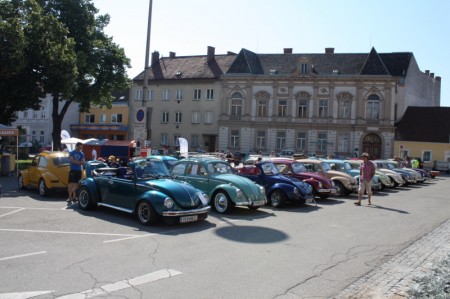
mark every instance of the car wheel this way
{"type": "Point", "coordinates": [277, 198]}
{"type": "Point", "coordinates": [85, 200]}
{"type": "Point", "coordinates": [145, 213]}
{"type": "Point", "coordinates": [43, 190]}
{"type": "Point", "coordinates": [20, 182]}
{"type": "Point", "coordinates": [222, 203]}
{"type": "Point", "coordinates": [340, 189]}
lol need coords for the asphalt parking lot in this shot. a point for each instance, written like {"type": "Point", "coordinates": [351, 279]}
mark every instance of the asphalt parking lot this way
{"type": "Point", "coordinates": [53, 250]}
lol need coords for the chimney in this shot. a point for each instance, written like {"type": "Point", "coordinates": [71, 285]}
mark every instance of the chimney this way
{"type": "Point", "coordinates": [329, 50]}
{"type": "Point", "coordinates": [172, 54]}
{"type": "Point", "coordinates": [211, 54]}
{"type": "Point", "coordinates": [287, 50]}
{"type": "Point", "coordinates": [438, 78]}
{"type": "Point", "coordinates": [155, 57]}
{"type": "Point", "coordinates": [427, 72]}
{"type": "Point", "coordinates": [432, 75]}
{"type": "Point", "coordinates": [230, 53]}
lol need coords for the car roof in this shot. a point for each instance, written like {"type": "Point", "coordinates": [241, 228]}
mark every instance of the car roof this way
{"type": "Point", "coordinates": [52, 154]}
{"type": "Point", "coordinates": [316, 161]}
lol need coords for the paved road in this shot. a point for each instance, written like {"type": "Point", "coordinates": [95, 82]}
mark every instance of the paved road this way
{"type": "Point", "coordinates": [334, 249]}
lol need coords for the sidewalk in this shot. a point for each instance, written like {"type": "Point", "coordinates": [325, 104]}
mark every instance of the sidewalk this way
{"type": "Point", "coordinates": [392, 279]}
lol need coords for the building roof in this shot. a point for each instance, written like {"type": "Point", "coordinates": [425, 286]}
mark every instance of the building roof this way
{"type": "Point", "coordinates": [424, 124]}
{"type": "Point", "coordinates": [188, 67]}
{"type": "Point", "coordinates": [394, 64]}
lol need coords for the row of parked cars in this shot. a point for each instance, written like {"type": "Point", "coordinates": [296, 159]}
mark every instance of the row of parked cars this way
{"type": "Point", "coordinates": [181, 191]}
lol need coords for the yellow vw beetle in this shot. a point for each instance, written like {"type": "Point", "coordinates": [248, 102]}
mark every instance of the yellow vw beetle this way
{"type": "Point", "coordinates": [48, 171]}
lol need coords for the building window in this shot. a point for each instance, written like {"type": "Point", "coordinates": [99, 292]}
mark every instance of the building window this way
{"type": "Point", "coordinates": [150, 95]}
{"type": "Point", "coordinates": [234, 138]}
{"type": "Point", "coordinates": [195, 140]}
{"type": "Point", "coordinates": [208, 117]}
{"type": "Point", "coordinates": [427, 156]}
{"type": "Point", "coordinates": [343, 143]}
{"type": "Point", "coordinates": [25, 114]}
{"type": "Point", "coordinates": [302, 110]}
{"type": "Point", "coordinates": [35, 113]}
{"type": "Point", "coordinates": [138, 95]}
{"type": "Point", "coordinates": [301, 141]}
{"type": "Point", "coordinates": [103, 118]}
{"type": "Point", "coordinates": [304, 69]}
{"type": "Point", "coordinates": [236, 107]}
{"type": "Point", "coordinates": [175, 139]}
{"type": "Point", "coordinates": [166, 94]}
{"type": "Point", "coordinates": [262, 108]}
{"type": "Point", "coordinates": [344, 109]}
{"type": "Point", "coordinates": [33, 136]}
{"type": "Point", "coordinates": [282, 108]}
{"type": "Point", "coordinates": [210, 94]}
{"type": "Point", "coordinates": [116, 118]}
{"type": "Point", "coordinates": [281, 140]}
{"type": "Point", "coordinates": [179, 94]}
{"type": "Point", "coordinates": [165, 118]}
{"type": "Point", "coordinates": [373, 107]}
{"type": "Point", "coordinates": [42, 136]}
{"type": "Point", "coordinates": [164, 140]}
{"type": "Point", "coordinates": [196, 117]}
{"type": "Point", "coordinates": [178, 117]}
{"type": "Point", "coordinates": [42, 113]}
{"type": "Point", "coordinates": [89, 118]}
{"type": "Point", "coordinates": [197, 94]}
{"type": "Point", "coordinates": [323, 108]}
{"type": "Point", "coordinates": [322, 142]}
{"type": "Point", "coordinates": [261, 139]}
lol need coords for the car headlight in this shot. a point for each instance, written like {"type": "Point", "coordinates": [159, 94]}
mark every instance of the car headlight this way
{"type": "Point", "coordinates": [239, 193]}
{"type": "Point", "coordinates": [320, 186]}
{"type": "Point", "coordinates": [296, 191]}
{"type": "Point", "coordinates": [169, 203]}
{"type": "Point", "coordinates": [262, 190]}
{"type": "Point", "coordinates": [204, 198]}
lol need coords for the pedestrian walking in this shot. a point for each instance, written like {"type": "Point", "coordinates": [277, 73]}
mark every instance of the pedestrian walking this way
{"type": "Point", "coordinates": [366, 173]}
{"type": "Point", "coordinates": [77, 160]}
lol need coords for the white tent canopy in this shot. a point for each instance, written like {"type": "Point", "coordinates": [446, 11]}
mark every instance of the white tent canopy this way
{"type": "Point", "coordinates": [70, 142]}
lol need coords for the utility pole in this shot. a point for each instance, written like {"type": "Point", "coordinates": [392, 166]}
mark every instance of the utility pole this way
{"type": "Point", "coordinates": [147, 55]}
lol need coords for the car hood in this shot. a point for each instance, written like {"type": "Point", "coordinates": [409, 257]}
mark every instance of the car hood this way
{"type": "Point", "coordinates": [236, 180]}
{"type": "Point", "coordinates": [182, 193]}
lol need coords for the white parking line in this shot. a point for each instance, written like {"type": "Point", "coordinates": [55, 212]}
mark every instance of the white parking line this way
{"type": "Point", "coordinates": [28, 208]}
{"type": "Point", "coordinates": [124, 284]}
{"type": "Point", "coordinates": [21, 255]}
{"type": "Point", "coordinates": [64, 232]}
{"type": "Point", "coordinates": [6, 214]}
{"type": "Point", "coordinates": [23, 295]}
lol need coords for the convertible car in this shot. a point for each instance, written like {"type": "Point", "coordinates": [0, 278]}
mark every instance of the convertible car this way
{"type": "Point", "coordinates": [145, 188]}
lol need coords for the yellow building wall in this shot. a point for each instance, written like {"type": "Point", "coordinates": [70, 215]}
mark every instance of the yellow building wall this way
{"type": "Point", "coordinates": [115, 109]}
{"type": "Point", "coordinates": [439, 151]}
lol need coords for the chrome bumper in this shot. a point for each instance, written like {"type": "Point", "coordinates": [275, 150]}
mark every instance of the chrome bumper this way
{"type": "Point", "coordinates": [327, 191]}
{"type": "Point", "coordinates": [187, 212]}
{"type": "Point", "coordinates": [255, 203]}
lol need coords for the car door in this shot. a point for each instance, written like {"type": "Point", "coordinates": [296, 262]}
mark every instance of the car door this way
{"type": "Point", "coordinates": [197, 176]}
{"type": "Point", "coordinates": [40, 168]}
{"type": "Point", "coordinates": [121, 192]}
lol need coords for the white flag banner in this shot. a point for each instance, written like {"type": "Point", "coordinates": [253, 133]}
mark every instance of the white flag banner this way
{"type": "Point", "coordinates": [65, 135]}
{"type": "Point", "coordinates": [183, 146]}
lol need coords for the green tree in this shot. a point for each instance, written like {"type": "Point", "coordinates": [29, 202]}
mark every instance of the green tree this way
{"type": "Point", "coordinates": [101, 64]}
{"type": "Point", "coordinates": [70, 56]}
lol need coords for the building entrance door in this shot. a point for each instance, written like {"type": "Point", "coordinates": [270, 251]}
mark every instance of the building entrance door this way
{"type": "Point", "coordinates": [372, 146]}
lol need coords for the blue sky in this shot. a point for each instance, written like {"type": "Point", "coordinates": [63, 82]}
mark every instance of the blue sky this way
{"type": "Point", "coordinates": [267, 26]}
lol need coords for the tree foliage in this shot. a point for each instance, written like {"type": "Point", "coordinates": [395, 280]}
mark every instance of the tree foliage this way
{"type": "Point", "coordinates": [61, 46]}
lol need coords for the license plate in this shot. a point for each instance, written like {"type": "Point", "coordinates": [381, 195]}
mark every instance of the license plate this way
{"type": "Point", "coordinates": [185, 219]}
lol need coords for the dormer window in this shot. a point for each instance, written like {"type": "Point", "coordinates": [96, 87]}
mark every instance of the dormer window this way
{"type": "Point", "coordinates": [304, 69]}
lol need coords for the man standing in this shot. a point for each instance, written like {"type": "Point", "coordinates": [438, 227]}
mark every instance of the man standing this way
{"type": "Point", "coordinates": [77, 160]}
{"type": "Point", "coordinates": [366, 173]}
{"type": "Point", "coordinates": [94, 154]}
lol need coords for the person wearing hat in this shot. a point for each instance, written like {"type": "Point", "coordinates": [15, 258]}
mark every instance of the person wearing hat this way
{"type": "Point", "coordinates": [112, 162]}
{"type": "Point", "coordinates": [366, 173]}
{"type": "Point", "coordinates": [76, 160]}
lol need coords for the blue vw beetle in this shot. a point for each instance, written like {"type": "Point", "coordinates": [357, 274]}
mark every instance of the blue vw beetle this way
{"type": "Point", "coordinates": [145, 188]}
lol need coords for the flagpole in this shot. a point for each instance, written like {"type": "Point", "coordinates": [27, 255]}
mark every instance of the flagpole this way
{"type": "Point", "coordinates": [147, 55]}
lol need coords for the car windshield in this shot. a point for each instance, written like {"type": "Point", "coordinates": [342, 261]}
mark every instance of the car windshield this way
{"type": "Point", "coordinates": [391, 166]}
{"type": "Point", "coordinates": [61, 160]}
{"type": "Point", "coordinates": [341, 166]}
{"type": "Point", "coordinates": [269, 168]}
{"type": "Point", "coordinates": [354, 165]}
{"type": "Point", "coordinates": [219, 168]}
{"type": "Point", "coordinates": [151, 169]}
{"type": "Point", "coordinates": [298, 167]}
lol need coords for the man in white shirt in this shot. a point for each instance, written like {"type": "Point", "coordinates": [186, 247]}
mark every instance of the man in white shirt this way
{"type": "Point", "coordinates": [94, 154]}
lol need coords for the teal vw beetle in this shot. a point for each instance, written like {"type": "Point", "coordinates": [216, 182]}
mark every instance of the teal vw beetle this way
{"type": "Point", "coordinates": [145, 188]}
{"type": "Point", "coordinates": [217, 178]}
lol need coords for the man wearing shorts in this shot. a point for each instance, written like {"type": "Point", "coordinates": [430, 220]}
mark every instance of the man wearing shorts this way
{"type": "Point", "coordinates": [77, 160]}
{"type": "Point", "coordinates": [366, 173]}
